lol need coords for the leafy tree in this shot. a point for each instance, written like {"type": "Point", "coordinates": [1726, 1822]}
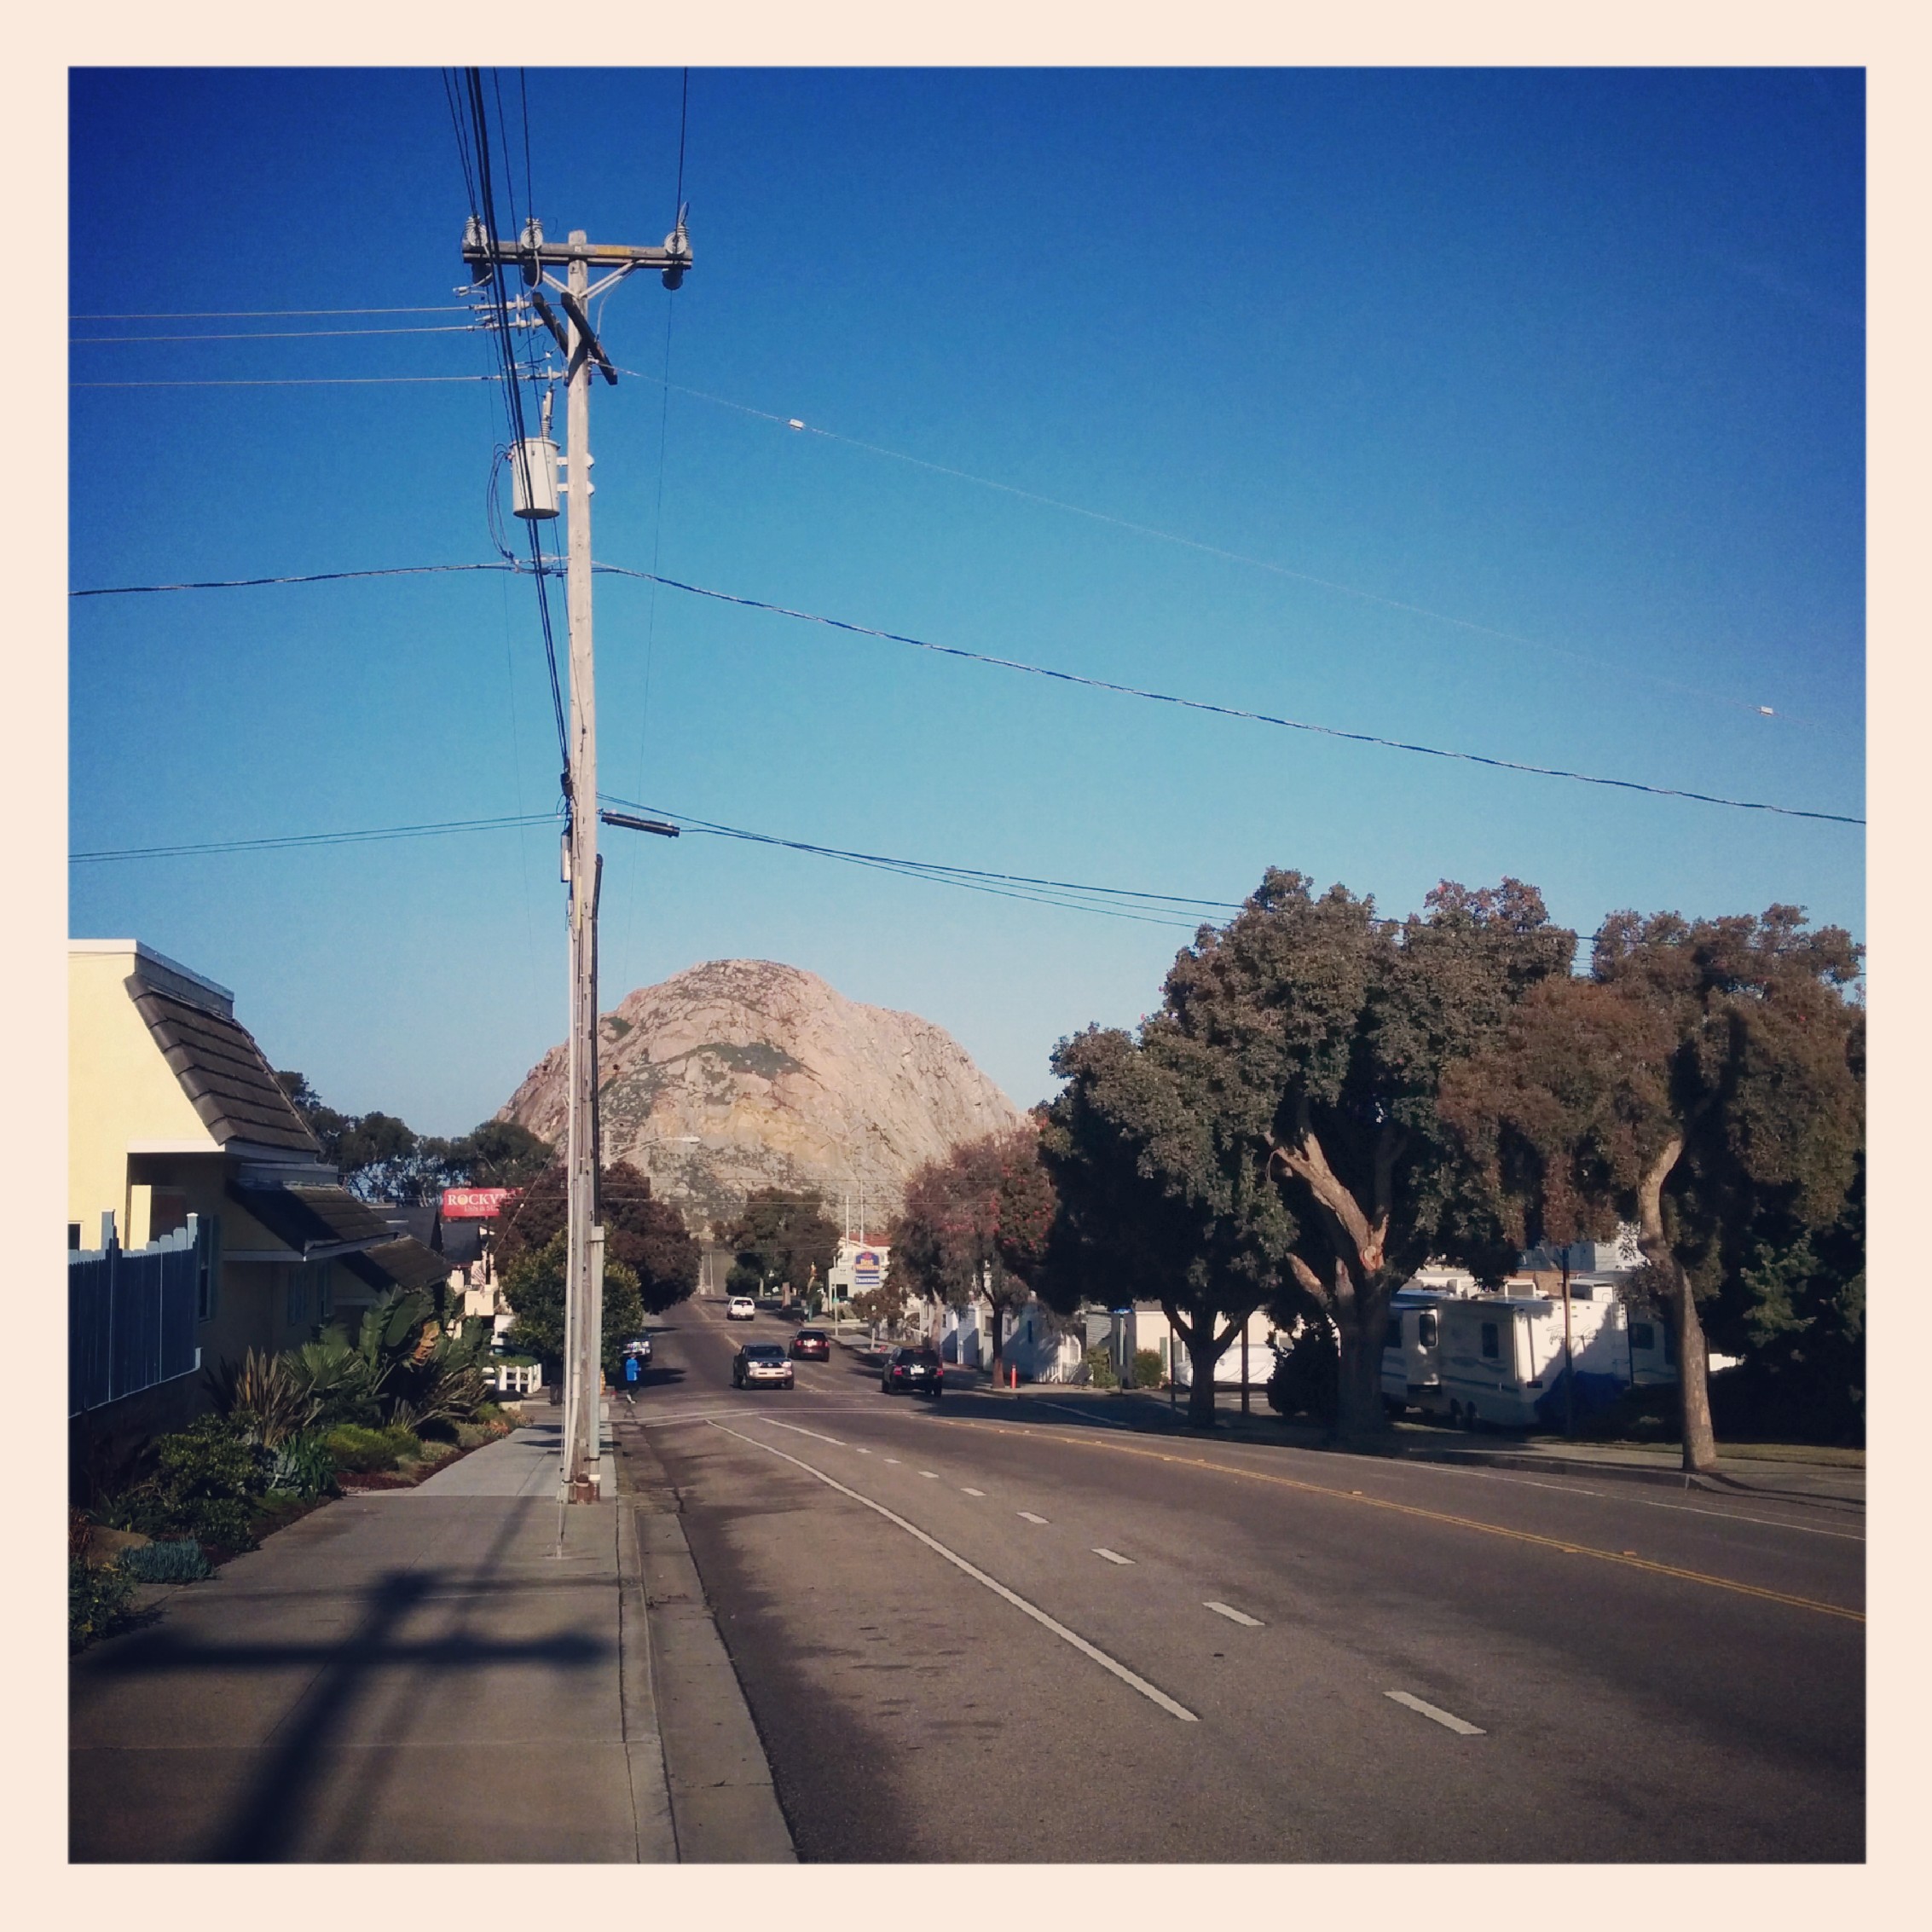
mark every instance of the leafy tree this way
{"type": "Point", "coordinates": [1706, 1082]}
{"type": "Point", "coordinates": [534, 1287]}
{"type": "Point", "coordinates": [383, 1159]}
{"type": "Point", "coordinates": [1158, 1199]}
{"type": "Point", "coordinates": [1310, 1037]}
{"type": "Point", "coordinates": [647, 1235]}
{"type": "Point", "coordinates": [782, 1237]}
{"type": "Point", "coordinates": [498, 1153]}
{"type": "Point", "coordinates": [1799, 1319]}
{"type": "Point", "coordinates": [976, 1221]}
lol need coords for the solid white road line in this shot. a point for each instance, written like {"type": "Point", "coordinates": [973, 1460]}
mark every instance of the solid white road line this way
{"type": "Point", "coordinates": [801, 1431]}
{"type": "Point", "coordinates": [1114, 1556]}
{"type": "Point", "coordinates": [1447, 1722]}
{"type": "Point", "coordinates": [970, 1490]}
{"type": "Point", "coordinates": [979, 1575]}
{"type": "Point", "coordinates": [1030, 1517]}
{"type": "Point", "coordinates": [1233, 1616]}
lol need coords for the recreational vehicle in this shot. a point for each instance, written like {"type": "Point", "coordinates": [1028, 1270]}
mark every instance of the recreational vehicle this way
{"type": "Point", "coordinates": [1503, 1359]}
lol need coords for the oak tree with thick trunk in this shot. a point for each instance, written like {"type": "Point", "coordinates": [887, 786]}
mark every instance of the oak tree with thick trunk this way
{"type": "Point", "coordinates": [1322, 1032]}
{"type": "Point", "coordinates": [1705, 1082]}
{"type": "Point", "coordinates": [1159, 1200]}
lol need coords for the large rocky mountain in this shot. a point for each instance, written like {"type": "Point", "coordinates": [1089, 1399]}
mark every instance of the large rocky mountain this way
{"type": "Point", "coordinates": [742, 1074]}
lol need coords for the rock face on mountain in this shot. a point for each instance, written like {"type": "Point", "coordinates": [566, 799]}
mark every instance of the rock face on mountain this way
{"type": "Point", "coordinates": [742, 1074]}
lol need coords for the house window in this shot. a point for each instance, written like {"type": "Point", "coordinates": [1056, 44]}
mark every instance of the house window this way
{"type": "Point", "coordinates": [73, 1237]}
{"type": "Point", "coordinates": [1492, 1342]}
{"type": "Point", "coordinates": [1643, 1336]}
{"type": "Point", "coordinates": [207, 1266]}
{"type": "Point", "coordinates": [1392, 1336]}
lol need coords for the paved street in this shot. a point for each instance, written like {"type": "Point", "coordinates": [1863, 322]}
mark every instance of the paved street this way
{"type": "Point", "coordinates": [992, 1629]}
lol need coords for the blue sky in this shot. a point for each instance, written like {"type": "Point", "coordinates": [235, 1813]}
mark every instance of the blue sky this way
{"type": "Point", "coordinates": [1573, 357]}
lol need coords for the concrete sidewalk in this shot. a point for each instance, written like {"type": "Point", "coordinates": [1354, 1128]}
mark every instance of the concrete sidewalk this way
{"type": "Point", "coordinates": [408, 1675]}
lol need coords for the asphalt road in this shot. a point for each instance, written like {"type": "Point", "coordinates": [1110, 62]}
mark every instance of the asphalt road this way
{"type": "Point", "coordinates": [985, 1629]}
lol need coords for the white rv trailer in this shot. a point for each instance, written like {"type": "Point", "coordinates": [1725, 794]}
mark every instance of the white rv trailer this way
{"type": "Point", "coordinates": [1501, 1358]}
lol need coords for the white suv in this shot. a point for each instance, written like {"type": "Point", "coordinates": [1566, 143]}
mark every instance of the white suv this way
{"type": "Point", "coordinates": [739, 1308]}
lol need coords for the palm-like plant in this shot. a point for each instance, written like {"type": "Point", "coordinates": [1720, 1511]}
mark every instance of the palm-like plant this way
{"type": "Point", "coordinates": [267, 1396]}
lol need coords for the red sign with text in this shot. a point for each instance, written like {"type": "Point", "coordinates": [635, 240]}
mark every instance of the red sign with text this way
{"type": "Point", "coordinates": [474, 1204]}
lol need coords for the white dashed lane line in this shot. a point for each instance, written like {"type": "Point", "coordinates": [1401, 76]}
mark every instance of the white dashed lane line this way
{"type": "Point", "coordinates": [970, 1490]}
{"type": "Point", "coordinates": [1030, 1517]}
{"type": "Point", "coordinates": [1233, 1616]}
{"type": "Point", "coordinates": [932, 1473]}
{"type": "Point", "coordinates": [893, 1460]}
{"type": "Point", "coordinates": [1153, 1693]}
{"type": "Point", "coordinates": [1114, 1556]}
{"type": "Point", "coordinates": [1446, 1718]}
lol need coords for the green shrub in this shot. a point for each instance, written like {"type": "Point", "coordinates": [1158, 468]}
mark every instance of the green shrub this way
{"type": "Point", "coordinates": [359, 1451]}
{"type": "Point", "coordinates": [1100, 1369]}
{"type": "Point", "coordinates": [1306, 1379]}
{"type": "Point", "coordinates": [207, 1479]}
{"type": "Point", "coordinates": [1147, 1369]}
{"type": "Point", "coordinates": [178, 1562]}
{"type": "Point", "coordinates": [99, 1602]}
{"type": "Point", "coordinates": [303, 1467]}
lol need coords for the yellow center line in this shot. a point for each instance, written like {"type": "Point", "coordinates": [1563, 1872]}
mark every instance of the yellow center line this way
{"type": "Point", "coordinates": [1119, 1448]}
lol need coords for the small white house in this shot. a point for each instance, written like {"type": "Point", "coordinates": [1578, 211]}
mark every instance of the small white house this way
{"type": "Point", "coordinates": [1146, 1326]}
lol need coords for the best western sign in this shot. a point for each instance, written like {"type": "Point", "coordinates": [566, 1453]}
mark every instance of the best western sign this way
{"type": "Point", "coordinates": [474, 1204]}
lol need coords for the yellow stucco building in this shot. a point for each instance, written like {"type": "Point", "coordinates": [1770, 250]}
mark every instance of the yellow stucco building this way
{"type": "Point", "coordinates": [173, 1111]}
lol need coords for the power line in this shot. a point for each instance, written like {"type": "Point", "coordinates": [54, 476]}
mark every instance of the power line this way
{"type": "Point", "coordinates": [282, 335]}
{"type": "Point", "coordinates": [241, 314]}
{"type": "Point", "coordinates": [293, 840]}
{"type": "Point", "coordinates": [308, 577]}
{"type": "Point", "coordinates": [483, 209]}
{"type": "Point", "coordinates": [1068, 895]}
{"type": "Point", "coordinates": [1076, 678]}
{"type": "Point", "coordinates": [1114, 901]}
{"type": "Point", "coordinates": [1229, 710]}
{"type": "Point", "coordinates": [267, 382]}
{"type": "Point", "coordinates": [797, 425]}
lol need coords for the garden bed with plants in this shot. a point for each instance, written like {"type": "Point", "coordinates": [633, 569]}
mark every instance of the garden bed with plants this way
{"type": "Point", "coordinates": [406, 1397]}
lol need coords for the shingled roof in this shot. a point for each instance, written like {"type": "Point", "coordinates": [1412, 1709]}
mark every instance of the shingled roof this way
{"type": "Point", "coordinates": [223, 1071]}
{"type": "Point", "coordinates": [404, 1263]}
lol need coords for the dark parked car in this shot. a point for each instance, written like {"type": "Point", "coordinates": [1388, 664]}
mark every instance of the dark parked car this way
{"type": "Point", "coordinates": [758, 1363]}
{"type": "Point", "coordinates": [639, 1345]}
{"type": "Point", "coordinates": [812, 1342]}
{"type": "Point", "coordinates": [916, 1369]}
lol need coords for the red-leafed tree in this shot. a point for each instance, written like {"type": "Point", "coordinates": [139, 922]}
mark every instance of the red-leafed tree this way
{"type": "Point", "coordinates": [976, 1222]}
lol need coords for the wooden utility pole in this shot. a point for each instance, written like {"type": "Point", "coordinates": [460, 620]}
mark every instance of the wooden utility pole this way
{"type": "Point", "coordinates": [537, 261]}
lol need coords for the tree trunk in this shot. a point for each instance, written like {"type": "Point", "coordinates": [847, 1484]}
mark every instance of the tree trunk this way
{"type": "Point", "coordinates": [1694, 1378]}
{"type": "Point", "coordinates": [1359, 1415]}
{"type": "Point", "coordinates": [1693, 1383]}
{"type": "Point", "coordinates": [1202, 1357]}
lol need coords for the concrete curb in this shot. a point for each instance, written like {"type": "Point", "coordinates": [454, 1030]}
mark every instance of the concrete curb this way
{"type": "Point", "coordinates": [720, 1805]}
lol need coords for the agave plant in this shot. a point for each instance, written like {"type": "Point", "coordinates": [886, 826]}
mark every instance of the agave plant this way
{"type": "Point", "coordinates": [266, 1396]}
